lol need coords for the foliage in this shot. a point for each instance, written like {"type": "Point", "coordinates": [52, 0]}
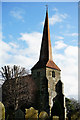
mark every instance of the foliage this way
{"type": "Point", "coordinates": [31, 113]}
{"type": "Point", "coordinates": [43, 115]}
{"type": "Point", "coordinates": [73, 108]}
{"type": "Point", "coordinates": [2, 111]}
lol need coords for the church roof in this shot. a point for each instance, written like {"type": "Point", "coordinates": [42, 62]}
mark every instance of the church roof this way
{"type": "Point", "coordinates": [45, 59]}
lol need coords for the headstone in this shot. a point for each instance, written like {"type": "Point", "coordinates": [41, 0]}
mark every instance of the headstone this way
{"type": "Point", "coordinates": [55, 118]}
{"type": "Point", "coordinates": [66, 118]}
{"type": "Point", "coordinates": [43, 115]}
{"type": "Point", "coordinates": [2, 112]}
{"type": "Point", "coordinates": [31, 114]}
{"type": "Point", "coordinates": [19, 115]}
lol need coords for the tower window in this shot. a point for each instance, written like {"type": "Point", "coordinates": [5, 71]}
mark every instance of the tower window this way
{"type": "Point", "coordinates": [53, 74]}
{"type": "Point", "coordinates": [38, 74]}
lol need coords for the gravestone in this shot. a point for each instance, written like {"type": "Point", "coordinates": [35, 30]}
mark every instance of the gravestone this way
{"type": "Point", "coordinates": [43, 115]}
{"type": "Point", "coordinates": [55, 118]}
{"type": "Point", "coordinates": [31, 114]}
{"type": "Point", "coordinates": [2, 112]}
{"type": "Point", "coordinates": [19, 115]}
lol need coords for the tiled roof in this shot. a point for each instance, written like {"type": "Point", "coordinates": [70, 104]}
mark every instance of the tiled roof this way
{"type": "Point", "coordinates": [51, 64]}
{"type": "Point", "coordinates": [42, 64]}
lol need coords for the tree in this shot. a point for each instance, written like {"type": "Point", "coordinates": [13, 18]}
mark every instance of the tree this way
{"type": "Point", "coordinates": [8, 72]}
{"type": "Point", "coordinates": [11, 75]}
{"type": "Point", "coordinates": [73, 108]}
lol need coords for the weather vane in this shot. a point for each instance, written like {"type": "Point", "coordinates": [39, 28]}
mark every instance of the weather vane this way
{"type": "Point", "coordinates": [47, 7]}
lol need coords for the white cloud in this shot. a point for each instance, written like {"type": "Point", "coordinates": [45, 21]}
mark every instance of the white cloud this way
{"type": "Point", "coordinates": [33, 40]}
{"type": "Point", "coordinates": [4, 49]}
{"type": "Point", "coordinates": [55, 9]}
{"type": "Point", "coordinates": [18, 14]}
{"type": "Point", "coordinates": [69, 26]}
{"type": "Point", "coordinates": [14, 45]}
{"type": "Point", "coordinates": [71, 34]}
{"type": "Point", "coordinates": [0, 35]}
{"type": "Point", "coordinates": [57, 18]}
{"type": "Point", "coordinates": [59, 37]}
{"type": "Point", "coordinates": [11, 53]}
{"type": "Point", "coordinates": [73, 40]}
{"type": "Point", "coordinates": [4, 46]}
{"type": "Point", "coordinates": [71, 51]}
{"type": "Point", "coordinates": [59, 45]}
{"type": "Point", "coordinates": [68, 63]}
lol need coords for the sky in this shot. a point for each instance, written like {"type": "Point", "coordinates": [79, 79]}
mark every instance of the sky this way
{"type": "Point", "coordinates": [22, 29]}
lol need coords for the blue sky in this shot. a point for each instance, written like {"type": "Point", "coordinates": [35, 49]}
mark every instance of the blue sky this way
{"type": "Point", "coordinates": [32, 16]}
{"type": "Point", "coordinates": [22, 27]}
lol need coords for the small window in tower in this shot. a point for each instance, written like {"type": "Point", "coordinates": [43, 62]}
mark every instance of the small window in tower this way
{"type": "Point", "coordinates": [53, 74]}
{"type": "Point", "coordinates": [38, 74]}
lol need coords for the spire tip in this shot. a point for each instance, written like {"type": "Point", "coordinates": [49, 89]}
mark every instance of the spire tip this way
{"type": "Point", "coordinates": [47, 8]}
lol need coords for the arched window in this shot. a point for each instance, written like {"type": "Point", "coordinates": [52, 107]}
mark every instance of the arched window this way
{"type": "Point", "coordinates": [53, 74]}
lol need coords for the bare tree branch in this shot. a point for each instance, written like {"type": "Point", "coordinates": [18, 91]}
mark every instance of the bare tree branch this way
{"type": "Point", "coordinates": [8, 72]}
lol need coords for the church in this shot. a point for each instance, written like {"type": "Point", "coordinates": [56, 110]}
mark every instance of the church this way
{"type": "Point", "coordinates": [43, 89]}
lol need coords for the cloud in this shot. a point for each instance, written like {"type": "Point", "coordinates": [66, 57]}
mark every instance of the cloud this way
{"type": "Point", "coordinates": [68, 63]}
{"type": "Point", "coordinates": [14, 45]}
{"type": "Point", "coordinates": [71, 51]}
{"type": "Point", "coordinates": [69, 26]}
{"type": "Point", "coordinates": [59, 45]}
{"type": "Point", "coordinates": [55, 9]}
{"type": "Point", "coordinates": [33, 40]}
{"type": "Point", "coordinates": [71, 34]}
{"type": "Point", "coordinates": [18, 14]}
{"type": "Point", "coordinates": [57, 18]}
{"type": "Point", "coordinates": [59, 37]}
{"type": "Point", "coordinates": [10, 54]}
{"type": "Point", "coordinates": [73, 40]}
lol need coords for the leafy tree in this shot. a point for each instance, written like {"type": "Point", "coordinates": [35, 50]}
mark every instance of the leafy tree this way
{"type": "Point", "coordinates": [73, 108]}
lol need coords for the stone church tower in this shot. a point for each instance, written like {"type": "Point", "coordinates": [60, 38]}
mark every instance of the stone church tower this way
{"type": "Point", "coordinates": [45, 72]}
{"type": "Point", "coordinates": [43, 89]}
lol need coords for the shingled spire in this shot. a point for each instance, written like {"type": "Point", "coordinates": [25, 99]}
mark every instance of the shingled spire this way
{"type": "Point", "coordinates": [45, 59]}
{"type": "Point", "coordinates": [46, 50]}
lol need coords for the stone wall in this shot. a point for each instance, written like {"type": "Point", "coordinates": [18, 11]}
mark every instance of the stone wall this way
{"type": "Point", "coordinates": [39, 75]}
{"type": "Point", "coordinates": [46, 86]}
{"type": "Point", "coordinates": [52, 81]}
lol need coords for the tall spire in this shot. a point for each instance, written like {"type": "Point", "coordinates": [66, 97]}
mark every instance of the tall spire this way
{"type": "Point", "coordinates": [46, 50]}
{"type": "Point", "coordinates": [45, 59]}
